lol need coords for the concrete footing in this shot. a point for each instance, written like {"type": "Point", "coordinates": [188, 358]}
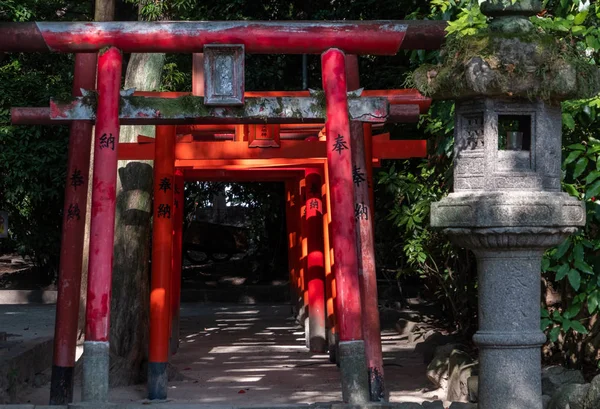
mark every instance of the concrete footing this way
{"type": "Point", "coordinates": [353, 370]}
{"type": "Point", "coordinates": [94, 386]}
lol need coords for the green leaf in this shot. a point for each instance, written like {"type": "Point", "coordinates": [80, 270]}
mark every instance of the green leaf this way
{"type": "Point", "coordinates": [576, 146]}
{"type": "Point", "coordinates": [578, 252]}
{"type": "Point", "coordinates": [568, 120]}
{"type": "Point", "coordinates": [583, 267]}
{"type": "Point", "coordinates": [545, 313]}
{"type": "Point", "coordinates": [577, 326]}
{"type": "Point", "coordinates": [571, 189]}
{"type": "Point", "coordinates": [572, 156]}
{"type": "Point", "coordinates": [580, 167]}
{"type": "Point", "coordinates": [566, 325]}
{"type": "Point", "coordinates": [574, 279]}
{"type": "Point", "coordinates": [545, 322]}
{"type": "Point", "coordinates": [562, 248]}
{"type": "Point", "coordinates": [572, 311]}
{"type": "Point", "coordinates": [580, 17]}
{"type": "Point", "coordinates": [554, 332]}
{"type": "Point", "coordinates": [592, 303]}
{"type": "Point", "coordinates": [563, 270]}
{"type": "Point", "coordinates": [593, 175]}
{"type": "Point", "coordinates": [593, 190]}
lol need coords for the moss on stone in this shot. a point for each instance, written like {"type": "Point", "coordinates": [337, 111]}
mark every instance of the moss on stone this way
{"type": "Point", "coordinates": [493, 63]}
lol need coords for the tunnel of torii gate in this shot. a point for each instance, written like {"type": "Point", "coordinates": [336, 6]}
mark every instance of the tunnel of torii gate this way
{"type": "Point", "coordinates": [321, 144]}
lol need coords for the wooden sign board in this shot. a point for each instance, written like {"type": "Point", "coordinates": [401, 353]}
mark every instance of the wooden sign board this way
{"type": "Point", "coordinates": [264, 136]}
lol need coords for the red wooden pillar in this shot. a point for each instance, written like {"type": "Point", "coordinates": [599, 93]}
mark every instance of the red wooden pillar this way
{"type": "Point", "coordinates": [291, 225]}
{"type": "Point", "coordinates": [315, 262]}
{"type": "Point", "coordinates": [72, 240]}
{"type": "Point", "coordinates": [302, 256]}
{"type": "Point", "coordinates": [178, 215]}
{"type": "Point", "coordinates": [332, 335]}
{"type": "Point", "coordinates": [364, 237]}
{"type": "Point", "coordinates": [162, 247]}
{"type": "Point", "coordinates": [96, 347]}
{"type": "Point", "coordinates": [366, 263]}
{"type": "Point", "coordinates": [343, 229]}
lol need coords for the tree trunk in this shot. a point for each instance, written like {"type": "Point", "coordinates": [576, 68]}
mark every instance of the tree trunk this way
{"type": "Point", "coordinates": [130, 287]}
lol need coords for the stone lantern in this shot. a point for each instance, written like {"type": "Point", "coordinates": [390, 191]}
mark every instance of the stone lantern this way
{"type": "Point", "coordinates": [507, 205]}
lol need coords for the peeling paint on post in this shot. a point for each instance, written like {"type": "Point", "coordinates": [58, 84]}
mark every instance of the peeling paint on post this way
{"type": "Point", "coordinates": [96, 348]}
{"type": "Point", "coordinates": [363, 213]}
{"type": "Point", "coordinates": [162, 247]}
{"type": "Point", "coordinates": [72, 240]}
{"type": "Point", "coordinates": [339, 160]}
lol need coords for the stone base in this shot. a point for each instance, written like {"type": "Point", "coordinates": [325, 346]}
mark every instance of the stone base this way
{"type": "Point", "coordinates": [94, 386]}
{"type": "Point", "coordinates": [353, 370]}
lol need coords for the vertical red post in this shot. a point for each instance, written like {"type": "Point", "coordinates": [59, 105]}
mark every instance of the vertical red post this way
{"type": "Point", "coordinates": [332, 335]}
{"type": "Point", "coordinates": [369, 164]}
{"type": "Point", "coordinates": [96, 346]}
{"type": "Point", "coordinates": [364, 237]}
{"type": "Point", "coordinates": [302, 256]}
{"type": "Point", "coordinates": [315, 262]}
{"type": "Point", "coordinates": [162, 247]}
{"type": "Point", "coordinates": [291, 238]}
{"type": "Point", "coordinates": [355, 388]}
{"type": "Point", "coordinates": [366, 264]}
{"type": "Point", "coordinates": [71, 248]}
{"type": "Point", "coordinates": [178, 215]}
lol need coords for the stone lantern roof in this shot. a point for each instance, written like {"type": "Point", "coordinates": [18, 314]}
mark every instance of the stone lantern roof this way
{"type": "Point", "coordinates": [511, 58]}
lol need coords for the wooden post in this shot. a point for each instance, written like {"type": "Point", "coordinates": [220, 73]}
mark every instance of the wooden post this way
{"type": "Point", "coordinates": [315, 268]}
{"type": "Point", "coordinates": [178, 216]}
{"type": "Point", "coordinates": [96, 346]}
{"type": "Point", "coordinates": [366, 266]}
{"type": "Point", "coordinates": [332, 335]}
{"type": "Point", "coordinates": [362, 176]}
{"type": "Point", "coordinates": [162, 247]}
{"type": "Point", "coordinates": [72, 241]}
{"type": "Point", "coordinates": [355, 389]}
{"type": "Point", "coordinates": [291, 225]}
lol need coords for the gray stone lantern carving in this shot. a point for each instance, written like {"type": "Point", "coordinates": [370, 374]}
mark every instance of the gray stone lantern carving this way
{"type": "Point", "coordinates": [507, 205]}
{"type": "Point", "coordinates": [508, 208]}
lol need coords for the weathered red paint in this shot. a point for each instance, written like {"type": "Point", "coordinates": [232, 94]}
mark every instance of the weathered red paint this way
{"type": "Point", "coordinates": [330, 291]}
{"type": "Point", "coordinates": [290, 37]}
{"type": "Point", "coordinates": [162, 244]}
{"type": "Point", "coordinates": [366, 264]}
{"type": "Point", "coordinates": [103, 196]}
{"type": "Point", "coordinates": [339, 161]}
{"type": "Point", "coordinates": [73, 227]}
{"type": "Point", "coordinates": [364, 239]}
{"type": "Point", "coordinates": [315, 262]}
{"type": "Point", "coordinates": [178, 208]}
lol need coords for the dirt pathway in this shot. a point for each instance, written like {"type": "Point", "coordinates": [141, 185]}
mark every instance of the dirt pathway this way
{"type": "Point", "coordinates": [231, 354]}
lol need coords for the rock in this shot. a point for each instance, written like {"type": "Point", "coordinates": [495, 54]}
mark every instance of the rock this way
{"type": "Point", "coordinates": [473, 388]}
{"type": "Point", "coordinates": [437, 370]}
{"type": "Point", "coordinates": [438, 404]}
{"type": "Point", "coordinates": [569, 397]}
{"type": "Point", "coordinates": [592, 399]}
{"type": "Point", "coordinates": [554, 377]}
{"type": "Point", "coordinates": [460, 368]}
{"type": "Point", "coordinates": [546, 401]}
{"type": "Point", "coordinates": [405, 327]}
{"type": "Point", "coordinates": [431, 341]}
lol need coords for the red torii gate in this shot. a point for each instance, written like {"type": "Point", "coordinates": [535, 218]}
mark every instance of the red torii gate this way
{"type": "Point", "coordinates": [329, 38]}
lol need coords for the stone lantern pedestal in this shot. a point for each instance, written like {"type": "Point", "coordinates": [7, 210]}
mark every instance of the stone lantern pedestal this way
{"type": "Point", "coordinates": [508, 208]}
